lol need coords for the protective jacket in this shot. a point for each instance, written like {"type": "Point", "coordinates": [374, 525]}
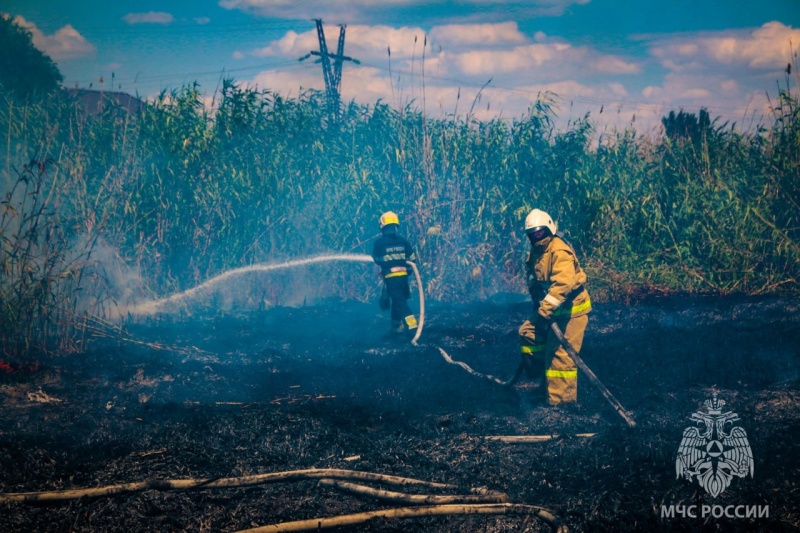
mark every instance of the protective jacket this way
{"type": "Point", "coordinates": [390, 252]}
{"type": "Point", "coordinates": [556, 280]}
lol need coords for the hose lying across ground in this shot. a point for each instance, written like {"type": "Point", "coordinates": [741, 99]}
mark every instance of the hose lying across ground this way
{"type": "Point", "coordinates": [490, 377]}
{"type": "Point", "coordinates": [315, 524]}
{"type": "Point", "coordinates": [480, 500]}
{"type": "Point", "coordinates": [575, 357]}
{"type": "Point", "coordinates": [217, 483]}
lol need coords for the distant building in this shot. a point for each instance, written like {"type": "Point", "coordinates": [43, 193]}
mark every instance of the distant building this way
{"type": "Point", "coordinates": [95, 101]}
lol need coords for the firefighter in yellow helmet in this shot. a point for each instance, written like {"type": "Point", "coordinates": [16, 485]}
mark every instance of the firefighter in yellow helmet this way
{"type": "Point", "coordinates": [390, 252]}
{"type": "Point", "coordinates": [557, 285]}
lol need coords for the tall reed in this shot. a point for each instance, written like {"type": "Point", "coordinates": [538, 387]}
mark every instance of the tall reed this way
{"type": "Point", "coordinates": [181, 192]}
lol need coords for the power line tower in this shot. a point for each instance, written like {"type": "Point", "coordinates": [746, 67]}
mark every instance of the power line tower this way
{"type": "Point", "coordinates": [332, 74]}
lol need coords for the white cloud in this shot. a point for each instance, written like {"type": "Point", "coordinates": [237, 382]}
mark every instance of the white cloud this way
{"type": "Point", "coordinates": [151, 17]}
{"type": "Point", "coordinates": [696, 93]}
{"type": "Point", "coordinates": [464, 35]}
{"type": "Point", "coordinates": [372, 42]}
{"type": "Point", "coordinates": [202, 20]}
{"type": "Point", "coordinates": [479, 51]}
{"type": "Point", "coordinates": [459, 61]}
{"type": "Point", "coordinates": [288, 84]}
{"type": "Point", "coordinates": [366, 43]}
{"type": "Point", "coordinates": [367, 85]}
{"type": "Point", "coordinates": [652, 92]}
{"type": "Point", "coordinates": [486, 62]}
{"type": "Point", "coordinates": [729, 87]}
{"type": "Point", "coordinates": [726, 72]}
{"type": "Point", "coordinates": [617, 89]}
{"type": "Point", "coordinates": [613, 65]}
{"type": "Point", "coordinates": [768, 47]}
{"type": "Point", "coordinates": [365, 11]}
{"type": "Point", "coordinates": [679, 88]}
{"type": "Point", "coordinates": [550, 60]}
{"type": "Point", "coordinates": [723, 97]}
{"type": "Point", "coordinates": [291, 44]}
{"type": "Point", "coordinates": [352, 11]}
{"type": "Point", "coordinates": [718, 71]}
{"type": "Point", "coordinates": [65, 43]}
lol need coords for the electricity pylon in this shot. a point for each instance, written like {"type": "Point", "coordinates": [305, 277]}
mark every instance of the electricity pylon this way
{"type": "Point", "coordinates": [332, 74]}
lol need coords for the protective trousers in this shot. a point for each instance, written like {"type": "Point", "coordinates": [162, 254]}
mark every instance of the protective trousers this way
{"type": "Point", "coordinates": [550, 360]}
{"type": "Point", "coordinates": [399, 292]}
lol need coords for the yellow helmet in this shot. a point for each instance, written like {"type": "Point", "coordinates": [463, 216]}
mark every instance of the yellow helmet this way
{"type": "Point", "coordinates": [387, 218]}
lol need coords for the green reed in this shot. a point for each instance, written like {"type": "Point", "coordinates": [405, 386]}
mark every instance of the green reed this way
{"type": "Point", "coordinates": [183, 191]}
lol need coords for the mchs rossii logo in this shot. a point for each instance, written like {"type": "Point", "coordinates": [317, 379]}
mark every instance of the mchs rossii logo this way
{"type": "Point", "coordinates": [715, 450]}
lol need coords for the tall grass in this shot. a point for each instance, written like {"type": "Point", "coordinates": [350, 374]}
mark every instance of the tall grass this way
{"type": "Point", "coordinates": [180, 192]}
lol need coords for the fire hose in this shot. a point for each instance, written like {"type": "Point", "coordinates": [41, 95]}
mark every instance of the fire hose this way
{"type": "Point", "coordinates": [421, 303]}
{"type": "Point", "coordinates": [556, 331]}
{"type": "Point", "coordinates": [575, 357]}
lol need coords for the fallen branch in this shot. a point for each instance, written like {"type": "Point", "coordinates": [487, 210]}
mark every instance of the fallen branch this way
{"type": "Point", "coordinates": [314, 524]}
{"type": "Point", "coordinates": [527, 439]}
{"type": "Point", "coordinates": [243, 481]}
{"type": "Point", "coordinates": [417, 499]}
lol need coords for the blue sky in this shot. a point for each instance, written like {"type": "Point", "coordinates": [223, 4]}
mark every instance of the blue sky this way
{"type": "Point", "coordinates": [618, 60]}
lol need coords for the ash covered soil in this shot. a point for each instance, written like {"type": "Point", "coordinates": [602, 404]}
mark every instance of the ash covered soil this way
{"type": "Point", "coordinates": [324, 387]}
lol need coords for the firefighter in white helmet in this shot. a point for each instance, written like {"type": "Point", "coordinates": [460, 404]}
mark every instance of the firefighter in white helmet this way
{"type": "Point", "coordinates": [390, 252]}
{"type": "Point", "coordinates": [557, 285]}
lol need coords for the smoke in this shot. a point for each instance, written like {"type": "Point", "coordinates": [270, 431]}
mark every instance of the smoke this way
{"type": "Point", "coordinates": [109, 285]}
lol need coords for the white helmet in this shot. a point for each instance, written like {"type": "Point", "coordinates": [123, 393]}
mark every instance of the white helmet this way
{"type": "Point", "coordinates": [538, 220]}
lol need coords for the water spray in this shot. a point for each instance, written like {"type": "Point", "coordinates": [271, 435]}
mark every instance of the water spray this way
{"type": "Point", "coordinates": [150, 307]}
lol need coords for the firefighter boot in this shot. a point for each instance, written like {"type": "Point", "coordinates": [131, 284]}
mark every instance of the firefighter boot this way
{"type": "Point", "coordinates": [410, 324]}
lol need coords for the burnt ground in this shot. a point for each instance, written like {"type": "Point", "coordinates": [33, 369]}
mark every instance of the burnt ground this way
{"type": "Point", "coordinates": [324, 387]}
